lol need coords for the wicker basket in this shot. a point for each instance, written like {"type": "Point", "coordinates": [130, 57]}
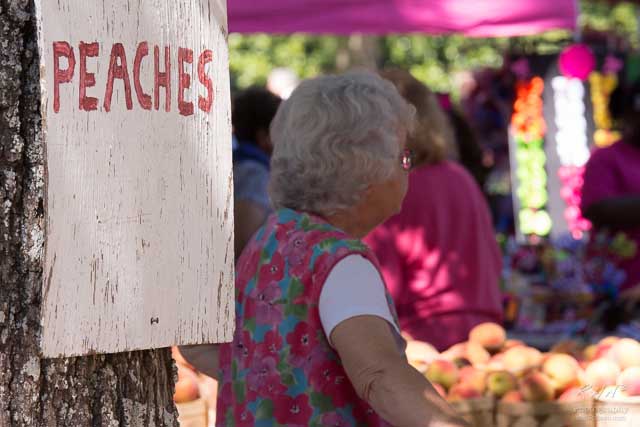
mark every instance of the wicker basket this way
{"type": "Point", "coordinates": [545, 414]}
{"type": "Point", "coordinates": [193, 414]}
{"type": "Point", "coordinates": [477, 412]}
{"type": "Point", "coordinates": [621, 412]}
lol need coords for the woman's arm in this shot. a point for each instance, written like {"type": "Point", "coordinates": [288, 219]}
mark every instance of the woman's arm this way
{"type": "Point", "coordinates": [203, 357]}
{"type": "Point", "coordinates": [382, 377]}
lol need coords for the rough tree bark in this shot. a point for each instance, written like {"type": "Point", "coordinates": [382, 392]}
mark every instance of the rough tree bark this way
{"type": "Point", "coordinates": [129, 389]}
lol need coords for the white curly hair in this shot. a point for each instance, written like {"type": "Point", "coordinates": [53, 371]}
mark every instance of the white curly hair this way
{"type": "Point", "coordinates": [334, 137]}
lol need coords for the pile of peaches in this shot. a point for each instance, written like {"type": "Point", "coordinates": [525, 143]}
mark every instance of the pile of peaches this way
{"type": "Point", "coordinates": [490, 365]}
{"type": "Point", "coordinates": [192, 385]}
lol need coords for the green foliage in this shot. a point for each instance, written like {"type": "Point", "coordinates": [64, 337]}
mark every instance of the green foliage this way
{"type": "Point", "coordinates": [433, 59]}
{"type": "Point", "coordinates": [252, 57]}
{"type": "Point", "coordinates": [619, 20]}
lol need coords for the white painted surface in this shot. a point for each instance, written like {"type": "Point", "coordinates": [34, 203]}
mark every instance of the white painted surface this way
{"type": "Point", "coordinates": [139, 209]}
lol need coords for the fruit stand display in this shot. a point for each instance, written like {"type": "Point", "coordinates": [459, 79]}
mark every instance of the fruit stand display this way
{"type": "Point", "coordinates": [562, 288]}
{"type": "Point", "coordinates": [498, 381]}
{"type": "Point", "coordinates": [492, 380]}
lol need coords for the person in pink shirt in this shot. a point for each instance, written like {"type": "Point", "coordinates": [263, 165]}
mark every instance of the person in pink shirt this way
{"type": "Point", "coordinates": [611, 190]}
{"type": "Point", "coordinates": [439, 256]}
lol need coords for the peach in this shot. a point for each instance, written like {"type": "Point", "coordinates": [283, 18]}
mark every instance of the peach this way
{"type": "Point", "coordinates": [500, 383]}
{"type": "Point", "coordinates": [570, 347]}
{"type": "Point", "coordinates": [626, 352]}
{"type": "Point", "coordinates": [601, 373]}
{"type": "Point", "coordinates": [513, 396]}
{"type": "Point", "coordinates": [544, 358]}
{"type": "Point", "coordinates": [461, 392]}
{"type": "Point", "coordinates": [421, 352]}
{"type": "Point", "coordinates": [496, 363]}
{"type": "Point", "coordinates": [590, 352]}
{"type": "Point", "coordinates": [604, 348]}
{"type": "Point", "coordinates": [473, 377]}
{"type": "Point", "coordinates": [510, 343]}
{"type": "Point", "coordinates": [608, 341]}
{"type": "Point", "coordinates": [186, 388]}
{"type": "Point", "coordinates": [455, 351]}
{"type": "Point", "coordinates": [629, 381]}
{"type": "Point", "coordinates": [573, 394]}
{"type": "Point", "coordinates": [536, 387]}
{"type": "Point", "coordinates": [582, 375]}
{"type": "Point", "coordinates": [489, 335]}
{"type": "Point", "coordinates": [477, 354]}
{"type": "Point", "coordinates": [562, 369]}
{"type": "Point", "coordinates": [442, 372]}
{"type": "Point", "coordinates": [518, 360]}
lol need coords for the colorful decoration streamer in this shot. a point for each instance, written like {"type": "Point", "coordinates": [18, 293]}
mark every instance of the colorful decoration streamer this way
{"type": "Point", "coordinates": [572, 147]}
{"type": "Point", "coordinates": [528, 127]}
{"type": "Point", "coordinates": [602, 85]}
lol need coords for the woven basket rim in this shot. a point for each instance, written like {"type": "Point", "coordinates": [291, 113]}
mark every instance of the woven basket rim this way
{"type": "Point", "coordinates": [541, 408]}
{"type": "Point", "coordinates": [477, 404]}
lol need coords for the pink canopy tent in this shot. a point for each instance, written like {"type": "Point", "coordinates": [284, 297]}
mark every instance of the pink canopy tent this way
{"type": "Point", "coordinates": [470, 17]}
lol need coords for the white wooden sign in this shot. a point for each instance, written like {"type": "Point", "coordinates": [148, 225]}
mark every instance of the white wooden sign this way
{"type": "Point", "coordinates": [139, 208]}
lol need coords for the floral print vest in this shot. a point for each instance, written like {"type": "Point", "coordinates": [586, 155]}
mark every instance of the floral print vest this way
{"type": "Point", "coordinates": [280, 369]}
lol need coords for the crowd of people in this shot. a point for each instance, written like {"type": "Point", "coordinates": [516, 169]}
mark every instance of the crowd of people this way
{"type": "Point", "coordinates": [361, 224]}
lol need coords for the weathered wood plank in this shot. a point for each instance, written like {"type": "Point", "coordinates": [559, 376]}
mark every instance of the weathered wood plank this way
{"type": "Point", "coordinates": [139, 221]}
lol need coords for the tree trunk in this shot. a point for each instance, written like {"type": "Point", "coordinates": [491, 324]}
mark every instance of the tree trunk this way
{"type": "Point", "coordinates": [128, 389]}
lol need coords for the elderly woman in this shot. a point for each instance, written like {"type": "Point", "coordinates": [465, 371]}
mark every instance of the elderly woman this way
{"type": "Point", "coordinates": [439, 255]}
{"type": "Point", "coordinates": [317, 341]}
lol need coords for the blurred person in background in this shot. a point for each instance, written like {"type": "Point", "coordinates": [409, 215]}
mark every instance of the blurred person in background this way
{"type": "Point", "coordinates": [439, 255]}
{"type": "Point", "coordinates": [611, 190]}
{"type": "Point", "coordinates": [252, 112]}
{"type": "Point", "coordinates": [488, 104]}
{"type": "Point", "coordinates": [317, 341]}
{"type": "Point", "coordinates": [469, 151]}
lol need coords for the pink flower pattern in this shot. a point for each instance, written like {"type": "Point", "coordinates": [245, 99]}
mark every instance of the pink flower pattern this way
{"type": "Point", "coordinates": [280, 367]}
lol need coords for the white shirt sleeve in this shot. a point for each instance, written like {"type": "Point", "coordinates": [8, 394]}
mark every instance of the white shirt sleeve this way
{"type": "Point", "coordinates": [354, 288]}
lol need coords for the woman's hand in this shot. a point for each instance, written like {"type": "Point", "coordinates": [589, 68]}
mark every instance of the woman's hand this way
{"type": "Point", "coordinates": [382, 376]}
